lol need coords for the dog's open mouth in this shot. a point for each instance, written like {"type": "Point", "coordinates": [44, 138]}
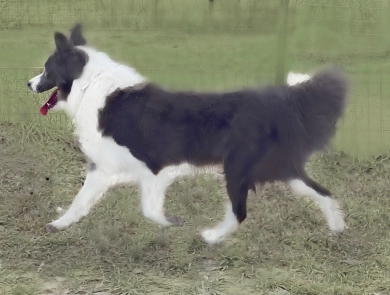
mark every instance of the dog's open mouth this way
{"type": "Point", "coordinates": [50, 103]}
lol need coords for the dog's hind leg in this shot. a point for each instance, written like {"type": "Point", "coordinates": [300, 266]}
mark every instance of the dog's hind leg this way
{"type": "Point", "coordinates": [153, 189]}
{"type": "Point", "coordinates": [95, 185]}
{"type": "Point", "coordinates": [227, 226]}
{"type": "Point", "coordinates": [331, 209]}
{"type": "Point", "coordinates": [237, 167]}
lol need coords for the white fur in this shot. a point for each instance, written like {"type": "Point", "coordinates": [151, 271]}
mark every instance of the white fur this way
{"type": "Point", "coordinates": [116, 165]}
{"type": "Point", "coordinates": [329, 206]}
{"type": "Point", "coordinates": [95, 185]}
{"type": "Point", "coordinates": [296, 78]}
{"type": "Point", "coordinates": [33, 83]}
{"type": "Point", "coordinates": [227, 226]}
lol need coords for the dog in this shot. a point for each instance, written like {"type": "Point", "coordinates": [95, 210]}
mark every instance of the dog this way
{"type": "Point", "coordinates": [134, 131]}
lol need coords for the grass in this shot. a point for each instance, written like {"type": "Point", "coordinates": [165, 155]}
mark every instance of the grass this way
{"type": "Point", "coordinates": [231, 46]}
{"type": "Point", "coordinates": [204, 62]}
{"type": "Point", "coordinates": [284, 246]}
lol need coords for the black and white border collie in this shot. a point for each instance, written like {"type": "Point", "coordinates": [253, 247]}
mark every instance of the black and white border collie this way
{"type": "Point", "coordinates": [134, 131]}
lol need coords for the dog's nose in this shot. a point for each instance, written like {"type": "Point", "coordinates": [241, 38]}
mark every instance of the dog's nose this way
{"type": "Point", "coordinates": [29, 85]}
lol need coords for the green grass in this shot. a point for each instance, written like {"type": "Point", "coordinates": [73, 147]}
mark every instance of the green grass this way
{"type": "Point", "coordinates": [230, 46]}
{"type": "Point", "coordinates": [204, 62]}
{"type": "Point", "coordinates": [284, 246]}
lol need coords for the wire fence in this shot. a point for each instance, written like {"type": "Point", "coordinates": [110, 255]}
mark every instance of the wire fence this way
{"type": "Point", "coordinates": [212, 45]}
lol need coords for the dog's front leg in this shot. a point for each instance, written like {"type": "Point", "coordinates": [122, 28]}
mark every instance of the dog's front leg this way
{"type": "Point", "coordinates": [95, 185]}
{"type": "Point", "coordinates": [153, 189]}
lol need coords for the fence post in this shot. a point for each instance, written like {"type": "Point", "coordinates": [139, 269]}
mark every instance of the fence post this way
{"type": "Point", "coordinates": [282, 43]}
{"type": "Point", "coordinates": [156, 16]}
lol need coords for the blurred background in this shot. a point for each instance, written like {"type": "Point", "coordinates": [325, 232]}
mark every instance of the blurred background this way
{"type": "Point", "coordinates": [212, 45]}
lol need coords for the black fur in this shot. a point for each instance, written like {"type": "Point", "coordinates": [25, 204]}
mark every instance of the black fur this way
{"type": "Point", "coordinates": [76, 37]}
{"type": "Point", "coordinates": [258, 135]}
{"type": "Point", "coordinates": [66, 64]}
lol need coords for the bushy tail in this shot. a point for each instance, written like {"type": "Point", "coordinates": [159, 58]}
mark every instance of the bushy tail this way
{"type": "Point", "coordinates": [323, 99]}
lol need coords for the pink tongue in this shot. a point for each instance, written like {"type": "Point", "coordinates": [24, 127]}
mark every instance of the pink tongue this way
{"type": "Point", "coordinates": [43, 110]}
{"type": "Point", "coordinates": [51, 102]}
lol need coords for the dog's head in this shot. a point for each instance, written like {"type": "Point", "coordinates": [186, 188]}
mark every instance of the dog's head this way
{"type": "Point", "coordinates": [64, 66]}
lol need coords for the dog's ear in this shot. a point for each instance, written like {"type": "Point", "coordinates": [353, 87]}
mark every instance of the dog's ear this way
{"type": "Point", "coordinates": [62, 43]}
{"type": "Point", "coordinates": [76, 37]}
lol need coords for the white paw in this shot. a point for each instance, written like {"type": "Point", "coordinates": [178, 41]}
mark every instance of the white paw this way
{"type": "Point", "coordinates": [336, 220]}
{"type": "Point", "coordinates": [337, 224]}
{"type": "Point", "coordinates": [51, 228]}
{"type": "Point", "coordinates": [210, 236]}
{"type": "Point", "coordinates": [56, 226]}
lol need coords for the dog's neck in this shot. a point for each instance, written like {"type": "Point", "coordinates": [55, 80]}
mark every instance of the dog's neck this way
{"type": "Point", "coordinates": [101, 76]}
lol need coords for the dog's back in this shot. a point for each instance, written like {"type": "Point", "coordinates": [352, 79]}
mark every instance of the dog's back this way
{"type": "Point", "coordinates": [142, 132]}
